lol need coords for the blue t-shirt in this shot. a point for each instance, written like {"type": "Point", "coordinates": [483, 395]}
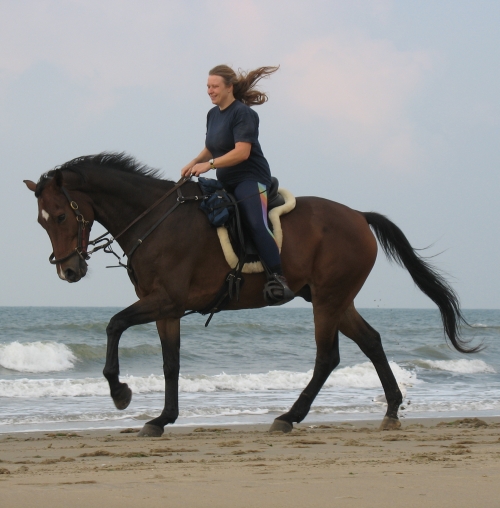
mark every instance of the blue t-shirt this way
{"type": "Point", "coordinates": [237, 123]}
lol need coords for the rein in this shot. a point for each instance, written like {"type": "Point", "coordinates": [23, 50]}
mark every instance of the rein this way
{"type": "Point", "coordinates": [84, 242]}
{"type": "Point", "coordinates": [154, 205]}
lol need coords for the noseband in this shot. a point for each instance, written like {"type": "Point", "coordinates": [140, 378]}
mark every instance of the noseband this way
{"type": "Point", "coordinates": [83, 240]}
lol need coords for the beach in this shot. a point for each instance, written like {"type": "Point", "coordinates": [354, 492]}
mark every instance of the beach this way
{"type": "Point", "coordinates": [64, 444]}
{"type": "Point", "coordinates": [429, 462]}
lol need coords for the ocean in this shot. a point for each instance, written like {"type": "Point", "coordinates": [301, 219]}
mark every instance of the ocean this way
{"type": "Point", "coordinates": [246, 367]}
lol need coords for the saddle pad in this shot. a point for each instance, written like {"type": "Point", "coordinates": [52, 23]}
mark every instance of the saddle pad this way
{"type": "Point", "coordinates": [274, 218]}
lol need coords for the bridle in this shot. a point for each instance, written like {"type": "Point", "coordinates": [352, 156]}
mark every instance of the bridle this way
{"type": "Point", "coordinates": [84, 229]}
{"type": "Point", "coordinates": [83, 234]}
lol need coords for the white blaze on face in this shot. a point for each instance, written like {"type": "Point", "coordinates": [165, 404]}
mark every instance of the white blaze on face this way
{"type": "Point", "coordinates": [45, 215]}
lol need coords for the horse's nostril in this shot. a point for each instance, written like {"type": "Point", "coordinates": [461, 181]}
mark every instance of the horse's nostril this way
{"type": "Point", "coordinates": [70, 274]}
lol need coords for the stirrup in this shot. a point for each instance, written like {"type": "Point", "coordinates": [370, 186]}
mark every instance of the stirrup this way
{"type": "Point", "coordinates": [276, 291]}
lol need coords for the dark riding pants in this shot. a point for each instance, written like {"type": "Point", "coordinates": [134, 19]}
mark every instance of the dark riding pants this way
{"type": "Point", "coordinates": [252, 197]}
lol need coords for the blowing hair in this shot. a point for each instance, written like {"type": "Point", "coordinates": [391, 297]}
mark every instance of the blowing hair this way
{"type": "Point", "coordinates": [244, 83]}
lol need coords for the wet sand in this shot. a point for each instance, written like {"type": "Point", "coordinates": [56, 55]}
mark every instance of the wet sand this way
{"type": "Point", "coordinates": [430, 462]}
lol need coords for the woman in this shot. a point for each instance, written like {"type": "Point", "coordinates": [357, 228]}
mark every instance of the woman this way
{"type": "Point", "coordinates": [232, 148]}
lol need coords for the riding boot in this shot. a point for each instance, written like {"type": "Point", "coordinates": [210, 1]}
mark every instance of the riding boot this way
{"type": "Point", "coordinates": [276, 290]}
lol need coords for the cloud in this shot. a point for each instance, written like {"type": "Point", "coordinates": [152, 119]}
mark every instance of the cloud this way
{"type": "Point", "coordinates": [360, 85]}
{"type": "Point", "coordinates": [364, 88]}
{"type": "Point", "coordinates": [104, 46]}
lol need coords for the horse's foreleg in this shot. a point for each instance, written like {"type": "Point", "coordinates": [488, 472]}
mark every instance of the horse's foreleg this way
{"type": "Point", "coordinates": [141, 312]}
{"type": "Point", "coordinates": [327, 358]}
{"type": "Point", "coordinates": [170, 336]}
{"type": "Point", "coordinates": [352, 325]}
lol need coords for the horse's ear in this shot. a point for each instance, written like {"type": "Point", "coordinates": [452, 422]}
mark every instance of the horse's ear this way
{"type": "Point", "coordinates": [31, 185]}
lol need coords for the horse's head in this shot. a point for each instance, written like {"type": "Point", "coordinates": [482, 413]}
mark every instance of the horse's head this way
{"type": "Point", "coordinates": [67, 221]}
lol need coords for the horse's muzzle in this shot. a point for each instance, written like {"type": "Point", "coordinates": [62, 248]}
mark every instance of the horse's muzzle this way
{"type": "Point", "coordinates": [73, 270]}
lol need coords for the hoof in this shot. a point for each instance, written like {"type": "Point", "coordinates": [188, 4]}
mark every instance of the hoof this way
{"type": "Point", "coordinates": [122, 400]}
{"type": "Point", "coordinates": [389, 423]}
{"type": "Point", "coordinates": [281, 426]}
{"type": "Point", "coordinates": [150, 431]}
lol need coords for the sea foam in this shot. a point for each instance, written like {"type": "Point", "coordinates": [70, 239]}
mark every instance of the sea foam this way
{"type": "Point", "coordinates": [358, 376]}
{"type": "Point", "coordinates": [457, 366]}
{"type": "Point", "coordinates": [36, 357]}
{"type": "Point", "coordinates": [362, 375]}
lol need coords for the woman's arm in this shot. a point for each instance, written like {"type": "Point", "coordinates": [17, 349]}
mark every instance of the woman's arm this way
{"type": "Point", "coordinates": [204, 156]}
{"type": "Point", "coordinates": [239, 153]}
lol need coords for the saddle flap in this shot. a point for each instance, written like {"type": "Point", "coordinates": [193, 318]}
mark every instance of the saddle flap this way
{"type": "Point", "coordinates": [274, 198]}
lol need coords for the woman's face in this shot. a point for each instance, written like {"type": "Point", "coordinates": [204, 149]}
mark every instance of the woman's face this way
{"type": "Point", "coordinates": [219, 93]}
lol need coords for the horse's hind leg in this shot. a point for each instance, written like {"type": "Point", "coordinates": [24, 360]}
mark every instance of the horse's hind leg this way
{"type": "Point", "coordinates": [352, 325]}
{"type": "Point", "coordinates": [327, 358]}
{"type": "Point", "coordinates": [170, 336]}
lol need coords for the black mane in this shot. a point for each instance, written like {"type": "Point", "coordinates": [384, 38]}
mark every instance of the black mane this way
{"type": "Point", "coordinates": [106, 160]}
{"type": "Point", "coordinates": [119, 161]}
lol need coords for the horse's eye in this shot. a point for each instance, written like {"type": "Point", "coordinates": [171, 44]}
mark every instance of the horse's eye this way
{"type": "Point", "coordinates": [61, 218]}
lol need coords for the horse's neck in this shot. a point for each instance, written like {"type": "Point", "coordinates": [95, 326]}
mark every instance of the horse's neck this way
{"type": "Point", "coordinates": [117, 202]}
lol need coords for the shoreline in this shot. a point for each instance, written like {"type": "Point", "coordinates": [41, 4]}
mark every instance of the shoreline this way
{"type": "Point", "coordinates": [362, 419]}
{"type": "Point", "coordinates": [371, 423]}
{"type": "Point", "coordinates": [437, 462]}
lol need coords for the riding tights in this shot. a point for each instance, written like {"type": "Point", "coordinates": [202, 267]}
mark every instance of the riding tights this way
{"type": "Point", "coordinates": [252, 202]}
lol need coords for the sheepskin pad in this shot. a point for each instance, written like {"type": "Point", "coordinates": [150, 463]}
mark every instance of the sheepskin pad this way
{"type": "Point", "coordinates": [274, 218]}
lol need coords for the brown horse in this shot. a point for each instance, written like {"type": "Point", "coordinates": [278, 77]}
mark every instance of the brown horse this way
{"type": "Point", "coordinates": [328, 251]}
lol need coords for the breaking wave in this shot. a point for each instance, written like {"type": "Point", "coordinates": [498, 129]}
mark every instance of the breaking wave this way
{"type": "Point", "coordinates": [358, 376]}
{"type": "Point", "coordinates": [36, 357]}
{"type": "Point", "coordinates": [457, 366]}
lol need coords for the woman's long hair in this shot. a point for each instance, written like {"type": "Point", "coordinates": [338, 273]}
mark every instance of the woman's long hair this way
{"type": "Point", "coordinates": [244, 83]}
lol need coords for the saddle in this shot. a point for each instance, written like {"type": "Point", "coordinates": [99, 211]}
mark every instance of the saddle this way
{"type": "Point", "coordinates": [239, 250]}
{"type": "Point", "coordinates": [237, 245]}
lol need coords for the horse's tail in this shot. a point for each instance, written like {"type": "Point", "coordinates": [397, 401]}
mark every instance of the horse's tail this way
{"type": "Point", "coordinates": [397, 248]}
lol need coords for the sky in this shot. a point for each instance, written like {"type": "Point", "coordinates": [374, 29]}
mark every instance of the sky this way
{"type": "Point", "coordinates": [384, 106]}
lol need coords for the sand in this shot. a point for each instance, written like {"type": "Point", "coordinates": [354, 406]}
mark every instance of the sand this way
{"type": "Point", "coordinates": [428, 463]}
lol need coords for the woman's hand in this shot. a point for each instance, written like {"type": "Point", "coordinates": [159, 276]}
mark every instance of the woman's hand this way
{"type": "Point", "coordinates": [195, 169]}
{"type": "Point", "coordinates": [199, 169]}
{"type": "Point", "coordinates": [198, 165]}
{"type": "Point", "coordinates": [187, 169]}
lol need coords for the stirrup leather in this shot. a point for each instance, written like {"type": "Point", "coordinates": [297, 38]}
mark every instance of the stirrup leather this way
{"type": "Point", "coordinates": [276, 291]}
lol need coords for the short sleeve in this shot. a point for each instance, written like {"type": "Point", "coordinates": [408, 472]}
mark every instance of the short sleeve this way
{"type": "Point", "coordinates": [246, 126]}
